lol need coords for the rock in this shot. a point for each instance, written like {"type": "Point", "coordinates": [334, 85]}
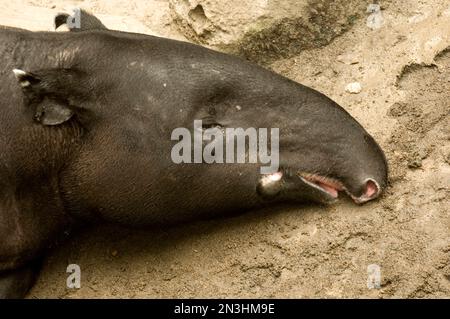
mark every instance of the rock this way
{"type": "Point", "coordinates": [261, 30]}
{"type": "Point", "coordinates": [353, 88]}
{"type": "Point", "coordinates": [218, 22]}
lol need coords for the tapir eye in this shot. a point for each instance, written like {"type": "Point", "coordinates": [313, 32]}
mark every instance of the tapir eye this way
{"type": "Point", "coordinates": [206, 126]}
{"type": "Point", "coordinates": [210, 122]}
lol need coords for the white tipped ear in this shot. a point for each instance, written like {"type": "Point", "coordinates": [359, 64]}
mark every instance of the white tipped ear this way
{"type": "Point", "coordinates": [22, 77]}
{"type": "Point", "coordinates": [19, 73]}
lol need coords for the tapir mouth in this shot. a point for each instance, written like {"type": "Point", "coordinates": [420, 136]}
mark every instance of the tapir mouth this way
{"type": "Point", "coordinates": [331, 187]}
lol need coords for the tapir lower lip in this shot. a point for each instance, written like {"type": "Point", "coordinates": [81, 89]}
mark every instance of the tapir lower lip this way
{"type": "Point", "coordinates": [329, 186]}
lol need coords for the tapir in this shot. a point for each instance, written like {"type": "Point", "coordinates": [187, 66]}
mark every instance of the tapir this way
{"type": "Point", "coordinates": [85, 136]}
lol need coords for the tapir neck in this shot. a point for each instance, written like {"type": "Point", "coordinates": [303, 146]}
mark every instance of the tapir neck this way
{"type": "Point", "coordinates": [36, 150]}
{"type": "Point", "coordinates": [27, 145]}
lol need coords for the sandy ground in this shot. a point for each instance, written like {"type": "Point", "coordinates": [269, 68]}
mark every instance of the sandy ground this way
{"type": "Point", "coordinates": [309, 251]}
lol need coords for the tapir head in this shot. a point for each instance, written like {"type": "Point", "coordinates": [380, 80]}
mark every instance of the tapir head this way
{"type": "Point", "coordinates": [322, 149]}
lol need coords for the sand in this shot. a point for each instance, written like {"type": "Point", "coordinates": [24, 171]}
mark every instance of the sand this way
{"type": "Point", "coordinates": [403, 100]}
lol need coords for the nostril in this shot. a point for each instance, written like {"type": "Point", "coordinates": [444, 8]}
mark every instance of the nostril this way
{"type": "Point", "coordinates": [372, 189]}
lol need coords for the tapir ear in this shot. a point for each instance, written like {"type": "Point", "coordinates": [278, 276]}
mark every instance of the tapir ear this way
{"type": "Point", "coordinates": [87, 21]}
{"type": "Point", "coordinates": [45, 93]}
{"type": "Point", "coordinates": [25, 79]}
{"type": "Point", "coordinates": [60, 19]}
{"type": "Point", "coordinates": [52, 113]}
